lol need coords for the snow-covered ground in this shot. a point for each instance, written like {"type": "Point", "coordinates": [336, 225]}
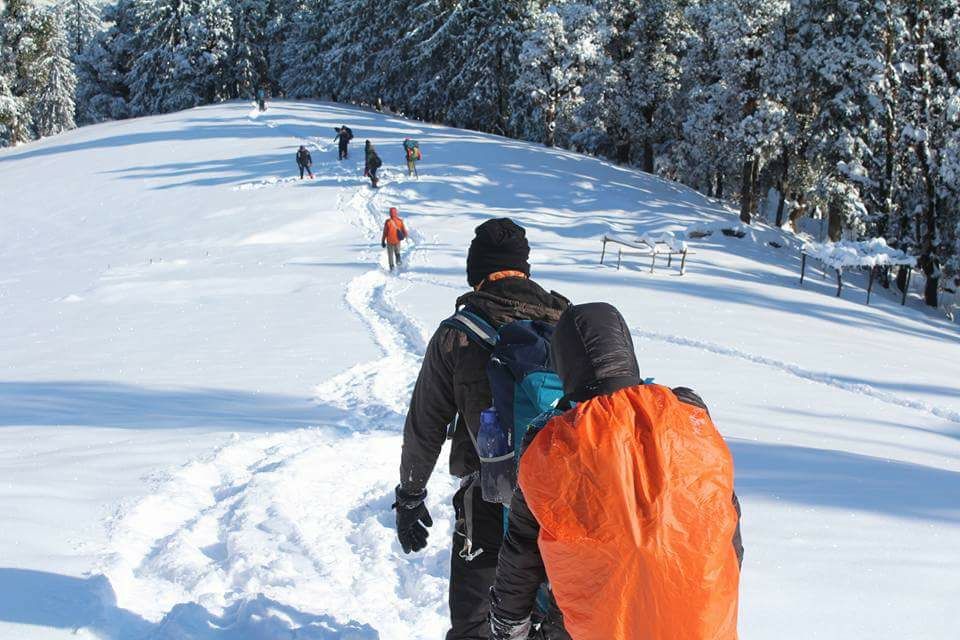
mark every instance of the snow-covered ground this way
{"type": "Point", "coordinates": [206, 368]}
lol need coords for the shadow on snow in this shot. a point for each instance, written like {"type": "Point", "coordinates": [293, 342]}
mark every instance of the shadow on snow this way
{"type": "Point", "coordinates": [44, 599]}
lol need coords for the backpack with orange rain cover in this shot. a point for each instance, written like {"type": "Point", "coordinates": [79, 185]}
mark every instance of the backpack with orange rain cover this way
{"type": "Point", "coordinates": [632, 491]}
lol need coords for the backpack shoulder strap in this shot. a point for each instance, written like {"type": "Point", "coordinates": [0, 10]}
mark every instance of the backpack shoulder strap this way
{"type": "Point", "coordinates": [476, 328]}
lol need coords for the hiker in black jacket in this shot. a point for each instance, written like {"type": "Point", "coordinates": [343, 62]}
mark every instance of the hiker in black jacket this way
{"type": "Point", "coordinates": [343, 138]}
{"type": "Point", "coordinates": [453, 382]}
{"type": "Point", "coordinates": [372, 163]}
{"type": "Point", "coordinates": [304, 161]}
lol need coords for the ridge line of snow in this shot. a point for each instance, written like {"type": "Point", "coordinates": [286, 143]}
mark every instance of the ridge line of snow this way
{"type": "Point", "coordinates": [800, 372]}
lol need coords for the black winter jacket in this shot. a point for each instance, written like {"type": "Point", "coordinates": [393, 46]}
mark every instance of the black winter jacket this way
{"type": "Point", "coordinates": [453, 380]}
{"type": "Point", "coordinates": [303, 158]}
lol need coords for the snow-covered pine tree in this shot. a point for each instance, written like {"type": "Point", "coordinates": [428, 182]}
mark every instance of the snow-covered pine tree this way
{"type": "Point", "coordinates": [249, 58]}
{"type": "Point", "coordinates": [931, 77]}
{"type": "Point", "coordinates": [53, 104]}
{"type": "Point", "coordinates": [211, 41]}
{"type": "Point", "coordinates": [743, 30]}
{"type": "Point", "coordinates": [182, 49]}
{"type": "Point", "coordinates": [946, 99]}
{"type": "Point", "coordinates": [21, 37]}
{"type": "Point", "coordinates": [102, 89]}
{"type": "Point", "coordinates": [556, 59]}
{"type": "Point", "coordinates": [82, 20]}
{"type": "Point", "coordinates": [302, 59]}
{"type": "Point", "coordinates": [14, 117]}
{"type": "Point", "coordinates": [837, 64]}
{"type": "Point", "coordinates": [630, 106]}
{"type": "Point", "coordinates": [482, 65]}
{"type": "Point", "coordinates": [350, 45]}
{"type": "Point", "coordinates": [416, 58]}
{"type": "Point", "coordinates": [280, 23]}
{"type": "Point", "coordinates": [699, 157]}
{"type": "Point", "coordinates": [303, 74]}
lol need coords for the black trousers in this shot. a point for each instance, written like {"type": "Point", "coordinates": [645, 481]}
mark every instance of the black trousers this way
{"type": "Point", "coordinates": [306, 168]}
{"type": "Point", "coordinates": [343, 151]}
{"type": "Point", "coordinates": [470, 580]}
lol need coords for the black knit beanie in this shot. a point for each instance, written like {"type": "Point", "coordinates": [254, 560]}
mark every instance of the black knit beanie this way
{"type": "Point", "coordinates": [500, 245]}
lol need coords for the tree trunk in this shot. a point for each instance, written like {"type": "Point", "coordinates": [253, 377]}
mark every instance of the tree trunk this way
{"type": "Point", "coordinates": [622, 151]}
{"type": "Point", "coordinates": [647, 156]}
{"type": "Point", "coordinates": [889, 132]}
{"type": "Point", "coordinates": [782, 184]}
{"type": "Point", "coordinates": [834, 222]}
{"type": "Point", "coordinates": [719, 193]}
{"type": "Point", "coordinates": [931, 269]}
{"type": "Point", "coordinates": [550, 120]}
{"type": "Point", "coordinates": [647, 143]}
{"type": "Point", "coordinates": [747, 204]}
{"type": "Point", "coordinates": [929, 217]}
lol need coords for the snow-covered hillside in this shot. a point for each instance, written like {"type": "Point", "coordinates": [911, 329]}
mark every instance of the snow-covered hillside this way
{"type": "Point", "coordinates": [205, 370]}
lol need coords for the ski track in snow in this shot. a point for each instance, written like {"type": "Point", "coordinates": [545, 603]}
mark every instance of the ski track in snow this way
{"type": "Point", "coordinates": [800, 372]}
{"type": "Point", "coordinates": [237, 532]}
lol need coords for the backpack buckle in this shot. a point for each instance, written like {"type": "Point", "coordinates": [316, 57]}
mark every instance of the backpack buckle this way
{"type": "Point", "coordinates": [467, 552]}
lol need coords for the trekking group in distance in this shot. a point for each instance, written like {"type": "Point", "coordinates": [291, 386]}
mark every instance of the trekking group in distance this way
{"type": "Point", "coordinates": [394, 231]}
{"type": "Point", "coordinates": [593, 504]}
{"type": "Point", "coordinates": [372, 161]}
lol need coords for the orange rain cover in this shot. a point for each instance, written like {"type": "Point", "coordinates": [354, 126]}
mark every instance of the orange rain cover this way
{"type": "Point", "coordinates": [634, 495]}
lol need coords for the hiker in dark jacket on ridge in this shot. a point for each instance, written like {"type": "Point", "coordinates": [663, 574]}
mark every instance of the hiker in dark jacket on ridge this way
{"type": "Point", "coordinates": [304, 161]}
{"type": "Point", "coordinates": [453, 382]}
{"type": "Point", "coordinates": [343, 138]}
{"type": "Point", "coordinates": [372, 163]}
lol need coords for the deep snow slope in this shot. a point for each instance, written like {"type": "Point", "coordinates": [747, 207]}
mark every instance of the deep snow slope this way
{"type": "Point", "coordinates": [206, 368]}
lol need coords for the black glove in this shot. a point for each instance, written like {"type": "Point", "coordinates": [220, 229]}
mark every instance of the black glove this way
{"type": "Point", "coordinates": [384, 244]}
{"type": "Point", "coordinates": [412, 520]}
{"type": "Point", "coordinates": [502, 629]}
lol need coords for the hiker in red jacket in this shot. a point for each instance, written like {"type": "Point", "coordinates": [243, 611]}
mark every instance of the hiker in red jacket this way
{"type": "Point", "coordinates": [393, 234]}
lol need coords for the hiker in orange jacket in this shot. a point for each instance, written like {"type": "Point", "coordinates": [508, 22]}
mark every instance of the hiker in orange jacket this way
{"type": "Point", "coordinates": [625, 505]}
{"type": "Point", "coordinates": [393, 234]}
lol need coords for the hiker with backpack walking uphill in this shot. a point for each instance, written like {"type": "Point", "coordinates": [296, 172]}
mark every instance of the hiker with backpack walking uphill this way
{"type": "Point", "coordinates": [411, 149]}
{"type": "Point", "coordinates": [625, 505]}
{"type": "Point", "coordinates": [394, 232]}
{"type": "Point", "coordinates": [343, 138]}
{"type": "Point", "coordinates": [371, 164]}
{"type": "Point", "coordinates": [453, 383]}
{"type": "Point", "coordinates": [304, 161]}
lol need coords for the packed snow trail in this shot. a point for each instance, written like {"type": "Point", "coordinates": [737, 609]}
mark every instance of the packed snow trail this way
{"type": "Point", "coordinates": [237, 526]}
{"type": "Point", "coordinates": [278, 516]}
{"type": "Point", "coordinates": [800, 372]}
{"type": "Point", "coordinates": [380, 389]}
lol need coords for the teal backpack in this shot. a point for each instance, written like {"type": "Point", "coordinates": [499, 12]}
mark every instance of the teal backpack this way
{"type": "Point", "coordinates": [523, 387]}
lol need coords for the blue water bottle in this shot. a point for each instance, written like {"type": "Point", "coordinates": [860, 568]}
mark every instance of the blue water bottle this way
{"type": "Point", "coordinates": [497, 468]}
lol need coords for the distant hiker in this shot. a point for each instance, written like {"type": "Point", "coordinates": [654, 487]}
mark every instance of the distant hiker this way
{"type": "Point", "coordinates": [411, 149]}
{"type": "Point", "coordinates": [343, 138]}
{"type": "Point", "coordinates": [372, 163]}
{"type": "Point", "coordinates": [453, 382]}
{"type": "Point", "coordinates": [393, 234]}
{"type": "Point", "coordinates": [625, 505]}
{"type": "Point", "coordinates": [304, 161]}
{"type": "Point", "coordinates": [262, 99]}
